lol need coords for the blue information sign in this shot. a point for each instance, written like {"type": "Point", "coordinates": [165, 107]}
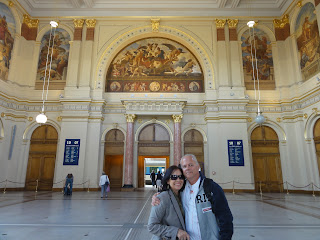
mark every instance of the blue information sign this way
{"type": "Point", "coordinates": [235, 152]}
{"type": "Point", "coordinates": [71, 152]}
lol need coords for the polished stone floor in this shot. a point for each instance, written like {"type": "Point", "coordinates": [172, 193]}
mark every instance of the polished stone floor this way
{"type": "Point", "coordinates": [124, 215]}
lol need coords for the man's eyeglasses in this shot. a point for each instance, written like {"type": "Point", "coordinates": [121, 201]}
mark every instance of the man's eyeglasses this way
{"type": "Point", "coordinates": [175, 177]}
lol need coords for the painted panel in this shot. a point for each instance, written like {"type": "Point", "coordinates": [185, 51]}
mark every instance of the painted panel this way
{"type": "Point", "coordinates": [308, 41]}
{"type": "Point", "coordinates": [7, 32]}
{"type": "Point", "coordinates": [61, 47]}
{"type": "Point", "coordinates": [257, 51]}
{"type": "Point", "coordinates": [155, 65]}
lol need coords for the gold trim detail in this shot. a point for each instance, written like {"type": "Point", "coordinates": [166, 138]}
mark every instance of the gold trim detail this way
{"type": "Point", "coordinates": [220, 23]}
{"type": "Point", "coordinates": [177, 118]}
{"type": "Point", "coordinates": [78, 23]}
{"type": "Point", "coordinates": [30, 119]}
{"type": "Point", "coordinates": [305, 115]}
{"type": "Point", "coordinates": [91, 23]}
{"type": "Point", "coordinates": [315, 110]}
{"type": "Point", "coordinates": [59, 119]}
{"type": "Point", "coordinates": [140, 120]}
{"type": "Point", "coordinates": [280, 23]}
{"type": "Point", "coordinates": [102, 119]}
{"type": "Point", "coordinates": [249, 119]}
{"type": "Point", "coordinates": [31, 23]}
{"type": "Point", "coordinates": [155, 23]}
{"type": "Point", "coordinates": [232, 23]}
{"type": "Point", "coordinates": [279, 119]}
{"type": "Point", "coordinates": [3, 114]}
{"type": "Point", "coordinates": [299, 4]}
{"type": "Point", "coordinates": [130, 117]}
{"type": "Point", "coordinates": [168, 121]}
{"type": "Point", "coordinates": [11, 4]}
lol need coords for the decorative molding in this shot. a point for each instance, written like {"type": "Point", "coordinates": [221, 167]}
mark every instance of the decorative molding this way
{"type": "Point", "coordinates": [168, 121]}
{"type": "Point", "coordinates": [30, 119]}
{"type": "Point", "coordinates": [305, 115]}
{"type": "Point", "coordinates": [155, 23]}
{"type": "Point", "coordinates": [279, 119]}
{"type": "Point", "coordinates": [140, 120]}
{"type": "Point", "coordinates": [130, 117]}
{"type": "Point", "coordinates": [249, 119]}
{"type": "Point", "coordinates": [59, 119]}
{"type": "Point", "coordinates": [11, 4]}
{"type": "Point", "coordinates": [233, 23]}
{"type": "Point", "coordinates": [177, 118]}
{"type": "Point", "coordinates": [31, 23]}
{"type": "Point", "coordinates": [91, 23]}
{"type": "Point", "coordinates": [299, 4]}
{"type": "Point", "coordinates": [280, 23]}
{"type": "Point", "coordinates": [193, 125]}
{"type": "Point", "coordinates": [156, 107]}
{"type": "Point", "coordinates": [220, 23]}
{"type": "Point", "coordinates": [78, 23]}
{"type": "Point", "coordinates": [315, 110]}
{"type": "Point", "coordinates": [115, 125]}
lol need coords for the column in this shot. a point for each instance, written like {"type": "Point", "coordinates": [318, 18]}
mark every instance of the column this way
{"type": "Point", "coordinates": [177, 138]}
{"type": "Point", "coordinates": [235, 64]}
{"type": "Point", "coordinates": [128, 165]}
{"type": "Point", "coordinates": [74, 55]}
{"type": "Point", "coordinates": [223, 73]}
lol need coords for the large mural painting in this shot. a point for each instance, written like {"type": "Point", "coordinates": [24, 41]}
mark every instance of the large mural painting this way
{"type": "Point", "coordinates": [155, 65]}
{"type": "Point", "coordinates": [261, 57]}
{"type": "Point", "coordinates": [7, 32]}
{"type": "Point", "coordinates": [307, 33]}
{"type": "Point", "coordinates": [60, 55]}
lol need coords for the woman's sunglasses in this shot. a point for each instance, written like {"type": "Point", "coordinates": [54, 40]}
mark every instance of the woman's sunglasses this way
{"type": "Point", "coordinates": [175, 177]}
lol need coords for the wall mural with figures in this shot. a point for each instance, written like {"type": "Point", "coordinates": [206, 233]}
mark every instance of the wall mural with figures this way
{"type": "Point", "coordinates": [308, 41]}
{"type": "Point", "coordinates": [155, 65]}
{"type": "Point", "coordinates": [7, 32]}
{"type": "Point", "coordinates": [263, 55]}
{"type": "Point", "coordinates": [60, 55]}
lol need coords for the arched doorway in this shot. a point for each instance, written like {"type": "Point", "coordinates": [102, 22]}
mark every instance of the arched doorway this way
{"type": "Point", "coordinates": [193, 144]}
{"type": "Point", "coordinates": [42, 158]}
{"type": "Point", "coordinates": [266, 160]}
{"type": "Point", "coordinates": [316, 138]}
{"type": "Point", "coordinates": [113, 157]}
{"type": "Point", "coordinates": [154, 143]}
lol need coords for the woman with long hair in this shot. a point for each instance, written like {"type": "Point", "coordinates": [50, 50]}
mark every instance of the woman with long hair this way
{"type": "Point", "coordinates": [166, 220]}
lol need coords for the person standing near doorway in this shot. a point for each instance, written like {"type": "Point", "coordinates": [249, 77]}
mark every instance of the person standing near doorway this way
{"type": "Point", "coordinates": [153, 178]}
{"type": "Point", "coordinates": [158, 181]}
{"type": "Point", "coordinates": [104, 183]}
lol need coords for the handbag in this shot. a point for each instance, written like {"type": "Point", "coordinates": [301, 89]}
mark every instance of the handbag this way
{"type": "Point", "coordinates": [108, 188]}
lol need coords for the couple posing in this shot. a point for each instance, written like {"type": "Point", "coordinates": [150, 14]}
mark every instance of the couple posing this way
{"type": "Point", "coordinates": [195, 209]}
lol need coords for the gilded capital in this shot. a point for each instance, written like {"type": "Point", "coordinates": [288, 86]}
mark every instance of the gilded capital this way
{"type": "Point", "coordinates": [232, 23]}
{"type": "Point", "coordinates": [130, 117]}
{"type": "Point", "coordinates": [177, 118]}
{"type": "Point", "coordinates": [78, 23]}
{"type": "Point", "coordinates": [155, 23]}
{"type": "Point", "coordinates": [280, 23]}
{"type": "Point", "coordinates": [220, 23]}
{"type": "Point", "coordinates": [91, 23]}
{"type": "Point", "coordinates": [31, 23]}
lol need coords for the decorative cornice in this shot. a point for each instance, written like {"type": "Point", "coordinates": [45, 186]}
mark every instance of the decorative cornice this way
{"type": "Point", "coordinates": [31, 23]}
{"type": "Point", "coordinates": [130, 117]}
{"type": "Point", "coordinates": [78, 23]}
{"type": "Point", "coordinates": [177, 118]}
{"type": "Point", "coordinates": [233, 23]}
{"type": "Point", "coordinates": [280, 23]}
{"type": "Point", "coordinates": [155, 23]}
{"type": "Point", "coordinates": [91, 23]}
{"type": "Point", "coordinates": [220, 23]}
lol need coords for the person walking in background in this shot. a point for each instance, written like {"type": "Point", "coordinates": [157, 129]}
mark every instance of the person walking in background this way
{"type": "Point", "coordinates": [158, 181]}
{"type": "Point", "coordinates": [166, 220]}
{"type": "Point", "coordinates": [68, 184]}
{"type": "Point", "coordinates": [104, 183]}
{"type": "Point", "coordinates": [153, 178]}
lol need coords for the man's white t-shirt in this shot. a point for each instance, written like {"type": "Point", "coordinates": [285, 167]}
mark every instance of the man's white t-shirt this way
{"type": "Point", "coordinates": [189, 205]}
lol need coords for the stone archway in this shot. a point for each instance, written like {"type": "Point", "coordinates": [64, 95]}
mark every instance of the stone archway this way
{"type": "Point", "coordinates": [154, 142]}
{"type": "Point", "coordinates": [266, 160]}
{"type": "Point", "coordinates": [316, 138]}
{"type": "Point", "coordinates": [42, 158]}
{"type": "Point", "coordinates": [113, 157]}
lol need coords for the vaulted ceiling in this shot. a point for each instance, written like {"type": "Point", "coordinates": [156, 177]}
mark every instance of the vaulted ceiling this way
{"type": "Point", "coordinates": [43, 8]}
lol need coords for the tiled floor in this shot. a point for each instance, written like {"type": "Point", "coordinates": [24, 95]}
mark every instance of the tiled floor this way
{"type": "Point", "coordinates": [124, 215]}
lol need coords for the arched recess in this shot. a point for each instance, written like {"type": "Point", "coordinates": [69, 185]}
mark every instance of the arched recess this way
{"type": "Point", "coordinates": [153, 142]}
{"type": "Point", "coordinates": [193, 144]}
{"type": "Point", "coordinates": [316, 139]}
{"type": "Point", "coordinates": [200, 51]}
{"type": "Point", "coordinates": [113, 157]}
{"type": "Point", "coordinates": [1, 130]}
{"type": "Point", "coordinates": [42, 158]}
{"type": "Point", "coordinates": [266, 159]}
